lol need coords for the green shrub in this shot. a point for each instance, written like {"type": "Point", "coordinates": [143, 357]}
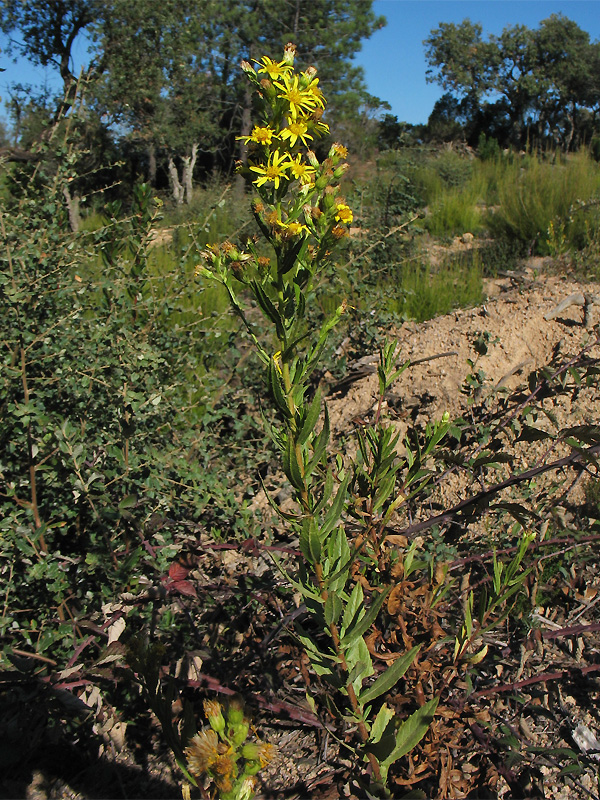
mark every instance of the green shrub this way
{"type": "Point", "coordinates": [454, 212]}
{"type": "Point", "coordinates": [537, 197]}
{"type": "Point", "coordinates": [99, 464]}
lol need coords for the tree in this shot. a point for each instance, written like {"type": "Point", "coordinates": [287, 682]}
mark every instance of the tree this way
{"type": "Point", "coordinates": [48, 30]}
{"type": "Point", "coordinates": [566, 60]}
{"type": "Point", "coordinates": [167, 72]}
{"type": "Point", "coordinates": [172, 74]}
{"type": "Point", "coordinates": [520, 84]}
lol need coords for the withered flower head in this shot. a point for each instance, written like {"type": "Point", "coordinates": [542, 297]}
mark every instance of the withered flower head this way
{"type": "Point", "coordinates": [289, 53]}
{"type": "Point", "coordinates": [202, 752]}
{"type": "Point", "coordinates": [339, 232]}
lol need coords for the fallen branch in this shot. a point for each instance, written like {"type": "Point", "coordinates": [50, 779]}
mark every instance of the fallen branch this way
{"type": "Point", "coordinates": [577, 299]}
{"type": "Point", "coordinates": [486, 495]}
{"type": "Point", "coordinates": [574, 673]}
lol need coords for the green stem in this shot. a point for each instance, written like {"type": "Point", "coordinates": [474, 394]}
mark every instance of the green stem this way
{"type": "Point", "coordinates": [356, 707]}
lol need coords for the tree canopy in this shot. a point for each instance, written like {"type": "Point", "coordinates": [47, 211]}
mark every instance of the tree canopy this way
{"type": "Point", "coordinates": [166, 72]}
{"type": "Point", "coordinates": [521, 86]}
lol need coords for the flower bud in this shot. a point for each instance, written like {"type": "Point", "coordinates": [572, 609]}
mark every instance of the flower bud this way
{"type": "Point", "coordinates": [328, 201]}
{"type": "Point", "coordinates": [238, 732]}
{"type": "Point", "coordinates": [203, 272]}
{"type": "Point", "coordinates": [246, 790]}
{"type": "Point", "coordinates": [235, 710]}
{"type": "Point", "coordinates": [267, 89]}
{"type": "Point", "coordinates": [214, 715]}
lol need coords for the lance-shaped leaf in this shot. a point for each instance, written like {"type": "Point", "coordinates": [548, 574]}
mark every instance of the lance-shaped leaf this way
{"type": "Point", "coordinates": [354, 608]}
{"type": "Point", "coordinates": [310, 541]}
{"type": "Point", "coordinates": [363, 624]}
{"type": "Point", "coordinates": [336, 508]}
{"type": "Point", "coordinates": [412, 730]}
{"type": "Point", "coordinates": [310, 418]}
{"type": "Point", "coordinates": [390, 677]}
{"type": "Point", "coordinates": [291, 466]}
{"type": "Point", "coordinates": [276, 389]}
{"type": "Point", "coordinates": [333, 608]}
{"type": "Point", "coordinates": [319, 445]}
{"type": "Point", "coordinates": [264, 301]}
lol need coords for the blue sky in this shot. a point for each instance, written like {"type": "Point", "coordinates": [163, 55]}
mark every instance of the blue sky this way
{"type": "Point", "coordinates": [394, 59]}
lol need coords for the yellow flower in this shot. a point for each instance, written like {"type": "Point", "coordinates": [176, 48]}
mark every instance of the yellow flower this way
{"type": "Point", "coordinates": [260, 135]}
{"type": "Point", "coordinates": [344, 213]}
{"type": "Point", "coordinates": [300, 100]}
{"type": "Point", "coordinates": [274, 69]}
{"type": "Point", "coordinates": [319, 127]}
{"type": "Point", "coordinates": [301, 171]}
{"type": "Point", "coordinates": [312, 87]}
{"type": "Point", "coordinates": [296, 130]}
{"type": "Point", "coordinates": [338, 231]}
{"type": "Point", "coordinates": [338, 150]}
{"type": "Point", "coordinates": [296, 228]}
{"type": "Point", "coordinates": [273, 171]}
{"type": "Point", "coordinates": [202, 752]}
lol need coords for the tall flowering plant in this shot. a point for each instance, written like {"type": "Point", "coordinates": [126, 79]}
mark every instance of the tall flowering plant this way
{"type": "Point", "coordinates": [303, 215]}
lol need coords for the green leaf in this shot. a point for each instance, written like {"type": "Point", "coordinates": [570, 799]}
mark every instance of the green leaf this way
{"type": "Point", "coordinates": [264, 301]}
{"type": "Point", "coordinates": [412, 730]}
{"type": "Point", "coordinates": [333, 608]}
{"type": "Point", "coordinates": [291, 466]}
{"type": "Point", "coordinates": [359, 664]}
{"type": "Point", "coordinates": [310, 541]}
{"type": "Point", "coordinates": [129, 501]}
{"type": "Point", "coordinates": [365, 622]}
{"type": "Point", "coordinates": [327, 492]}
{"type": "Point", "coordinates": [353, 608]}
{"type": "Point", "coordinates": [276, 389]}
{"type": "Point", "coordinates": [310, 420]}
{"type": "Point", "coordinates": [319, 444]}
{"type": "Point", "coordinates": [335, 509]}
{"type": "Point", "coordinates": [380, 725]}
{"type": "Point", "coordinates": [390, 677]}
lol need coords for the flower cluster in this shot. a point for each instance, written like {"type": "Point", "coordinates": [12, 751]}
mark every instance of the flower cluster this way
{"type": "Point", "coordinates": [222, 753]}
{"type": "Point", "coordinates": [299, 199]}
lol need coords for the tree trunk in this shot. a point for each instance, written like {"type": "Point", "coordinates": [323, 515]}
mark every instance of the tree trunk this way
{"type": "Point", "coordinates": [72, 209]}
{"type": "Point", "coordinates": [571, 118]}
{"type": "Point", "coordinates": [182, 188]}
{"type": "Point", "coordinates": [176, 187]}
{"type": "Point", "coordinates": [189, 162]}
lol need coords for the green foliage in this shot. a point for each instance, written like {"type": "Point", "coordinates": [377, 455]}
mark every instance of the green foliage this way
{"type": "Point", "coordinates": [545, 204]}
{"type": "Point", "coordinates": [455, 212]}
{"type": "Point", "coordinates": [96, 454]}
